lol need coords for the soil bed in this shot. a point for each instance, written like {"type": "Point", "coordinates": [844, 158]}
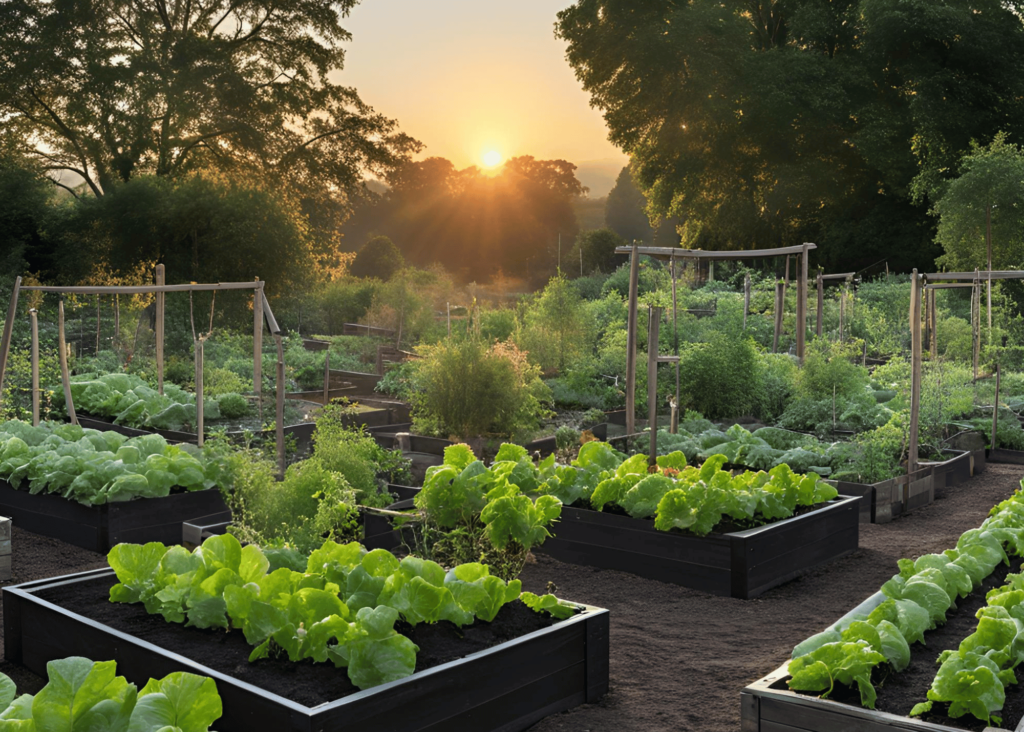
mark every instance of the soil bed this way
{"type": "Point", "coordinates": [680, 657]}
{"type": "Point", "coordinates": [306, 683]}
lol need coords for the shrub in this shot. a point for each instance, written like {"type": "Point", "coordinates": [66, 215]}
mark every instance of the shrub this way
{"type": "Point", "coordinates": [497, 325]}
{"type": "Point", "coordinates": [468, 389]}
{"type": "Point", "coordinates": [379, 258]}
{"type": "Point", "coordinates": [776, 382]}
{"type": "Point", "coordinates": [717, 375]}
{"type": "Point", "coordinates": [218, 381]}
{"type": "Point", "coordinates": [555, 328]}
{"type": "Point", "coordinates": [828, 370]}
{"type": "Point", "coordinates": [233, 406]}
{"type": "Point", "coordinates": [181, 371]}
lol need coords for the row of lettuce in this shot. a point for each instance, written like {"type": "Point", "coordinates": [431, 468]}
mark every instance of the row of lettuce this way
{"type": "Point", "coordinates": [971, 679]}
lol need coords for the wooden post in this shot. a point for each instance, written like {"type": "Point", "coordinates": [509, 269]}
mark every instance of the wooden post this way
{"type": "Point", "coordinates": [821, 304]}
{"type": "Point", "coordinates": [988, 239]}
{"type": "Point", "coordinates": [161, 304]}
{"type": "Point", "coordinates": [327, 377]}
{"type": "Point", "coordinates": [801, 308]}
{"type": "Point", "coordinates": [279, 426]}
{"type": "Point", "coordinates": [976, 321]}
{"type": "Point", "coordinates": [65, 376]}
{"type": "Point", "coordinates": [675, 324]}
{"type": "Point", "coordinates": [97, 325]}
{"type": "Point", "coordinates": [746, 302]}
{"type": "Point", "coordinates": [449, 320]}
{"type": "Point", "coordinates": [933, 335]}
{"type": "Point", "coordinates": [117, 319]}
{"type": "Point", "coordinates": [915, 376]}
{"type": "Point", "coordinates": [634, 274]}
{"type": "Point", "coordinates": [842, 313]}
{"type": "Point", "coordinates": [995, 410]}
{"type": "Point", "coordinates": [674, 419]}
{"type": "Point", "coordinates": [199, 391]}
{"type": "Point", "coordinates": [257, 346]}
{"type": "Point", "coordinates": [5, 342]}
{"type": "Point", "coordinates": [33, 314]}
{"type": "Point", "coordinates": [654, 323]}
{"type": "Point", "coordinates": [780, 300]}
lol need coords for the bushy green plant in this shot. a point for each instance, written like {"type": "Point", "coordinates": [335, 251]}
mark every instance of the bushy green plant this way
{"type": "Point", "coordinates": [180, 371]}
{"type": "Point", "coordinates": [566, 437]}
{"type": "Point", "coordinates": [776, 382]}
{"type": "Point", "coordinates": [955, 339]}
{"type": "Point", "coordinates": [467, 389]}
{"type": "Point", "coordinates": [555, 330]}
{"type": "Point", "coordinates": [233, 406]}
{"type": "Point", "coordinates": [218, 381]}
{"type": "Point", "coordinates": [829, 370]}
{"type": "Point", "coordinates": [717, 375]}
{"type": "Point", "coordinates": [398, 380]}
{"type": "Point", "coordinates": [581, 386]}
{"type": "Point", "coordinates": [498, 324]}
{"type": "Point", "coordinates": [878, 453]}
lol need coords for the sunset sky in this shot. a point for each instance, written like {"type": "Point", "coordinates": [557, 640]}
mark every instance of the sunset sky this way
{"type": "Point", "coordinates": [466, 77]}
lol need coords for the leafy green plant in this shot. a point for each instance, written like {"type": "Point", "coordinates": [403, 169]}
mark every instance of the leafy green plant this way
{"type": "Point", "coordinates": [341, 609]}
{"type": "Point", "coordinates": [84, 695]}
{"type": "Point", "coordinates": [233, 406]}
{"type": "Point", "coordinates": [971, 678]}
{"type": "Point", "coordinates": [94, 467]}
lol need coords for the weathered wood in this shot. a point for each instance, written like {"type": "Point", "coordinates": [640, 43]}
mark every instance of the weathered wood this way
{"type": "Point", "coordinates": [801, 306]}
{"type": "Point", "coordinates": [257, 347]}
{"type": "Point", "coordinates": [160, 307]}
{"type": "Point", "coordinates": [5, 342]}
{"type": "Point", "coordinates": [117, 319]}
{"type": "Point", "coordinates": [200, 417]}
{"type": "Point", "coordinates": [995, 409]}
{"type": "Point", "coordinates": [279, 426]}
{"type": "Point", "coordinates": [821, 304]}
{"type": "Point", "coordinates": [327, 377]}
{"type": "Point", "coordinates": [631, 326]}
{"type": "Point", "coordinates": [62, 355]}
{"type": "Point", "coordinates": [746, 301]}
{"type": "Point", "coordinates": [34, 316]}
{"type": "Point", "coordinates": [915, 370]}
{"type": "Point", "coordinates": [780, 300]}
{"type": "Point", "coordinates": [139, 289]}
{"type": "Point", "coordinates": [653, 325]}
{"type": "Point", "coordinates": [976, 322]}
{"type": "Point", "coordinates": [668, 253]}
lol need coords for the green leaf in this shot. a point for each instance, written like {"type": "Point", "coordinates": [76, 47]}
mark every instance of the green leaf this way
{"type": "Point", "coordinates": [8, 691]}
{"type": "Point", "coordinates": [549, 604]}
{"type": "Point", "coordinates": [187, 702]}
{"type": "Point", "coordinates": [75, 686]}
{"type": "Point", "coordinates": [642, 499]}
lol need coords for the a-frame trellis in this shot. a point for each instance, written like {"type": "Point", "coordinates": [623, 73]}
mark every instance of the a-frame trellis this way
{"type": "Point", "coordinates": [262, 314]}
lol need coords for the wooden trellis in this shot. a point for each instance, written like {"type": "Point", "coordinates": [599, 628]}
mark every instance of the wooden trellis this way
{"type": "Point", "coordinates": [262, 314]}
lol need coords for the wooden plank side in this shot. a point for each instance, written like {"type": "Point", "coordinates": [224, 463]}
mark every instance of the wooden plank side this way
{"type": "Point", "coordinates": [828, 717]}
{"type": "Point", "coordinates": [784, 567]}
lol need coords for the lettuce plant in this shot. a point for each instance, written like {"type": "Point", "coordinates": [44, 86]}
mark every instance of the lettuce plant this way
{"type": "Point", "coordinates": [83, 695]}
{"type": "Point", "coordinates": [342, 609]}
{"type": "Point", "coordinates": [972, 678]}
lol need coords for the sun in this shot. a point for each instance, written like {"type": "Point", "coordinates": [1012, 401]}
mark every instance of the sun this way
{"type": "Point", "coordinates": [492, 158]}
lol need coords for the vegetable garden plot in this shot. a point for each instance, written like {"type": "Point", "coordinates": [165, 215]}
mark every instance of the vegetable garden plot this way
{"type": "Point", "coordinates": [877, 641]}
{"type": "Point", "coordinates": [883, 501]}
{"type": "Point", "coordinates": [742, 564]}
{"type": "Point", "coordinates": [506, 687]}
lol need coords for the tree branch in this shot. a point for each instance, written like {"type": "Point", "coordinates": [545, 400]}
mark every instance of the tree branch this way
{"type": "Point", "coordinates": [197, 141]}
{"type": "Point", "coordinates": [69, 135]}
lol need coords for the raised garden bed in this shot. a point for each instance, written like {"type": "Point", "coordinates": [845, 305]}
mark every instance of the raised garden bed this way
{"type": "Point", "coordinates": [98, 528]}
{"type": "Point", "coordinates": [742, 564]}
{"type": "Point", "coordinates": [506, 687]}
{"type": "Point", "coordinates": [999, 455]}
{"type": "Point", "coordinates": [882, 502]}
{"type": "Point", "coordinates": [956, 469]}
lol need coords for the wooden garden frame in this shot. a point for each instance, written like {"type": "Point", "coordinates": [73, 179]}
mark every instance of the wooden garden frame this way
{"type": "Point", "coordinates": [261, 314]}
{"type": "Point", "coordinates": [671, 254]}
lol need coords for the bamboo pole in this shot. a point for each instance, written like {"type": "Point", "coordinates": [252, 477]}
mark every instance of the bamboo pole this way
{"type": "Point", "coordinates": [995, 410]}
{"type": "Point", "coordinates": [65, 376]}
{"type": "Point", "coordinates": [653, 325]}
{"type": "Point", "coordinates": [200, 417]}
{"type": "Point", "coordinates": [5, 341]}
{"type": "Point", "coordinates": [34, 316]}
{"type": "Point", "coordinates": [801, 307]}
{"type": "Point", "coordinates": [780, 299]}
{"type": "Point", "coordinates": [634, 274]}
{"type": "Point", "coordinates": [915, 376]}
{"type": "Point", "coordinates": [161, 304]}
{"type": "Point", "coordinates": [257, 347]}
{"type": "Point", "coordinates": [821, 304]}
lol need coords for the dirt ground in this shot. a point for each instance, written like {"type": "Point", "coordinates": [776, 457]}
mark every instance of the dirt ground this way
{"type": "Point", "coordinates": [679, 657]}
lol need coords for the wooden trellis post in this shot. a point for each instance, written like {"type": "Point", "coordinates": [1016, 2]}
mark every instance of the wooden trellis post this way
{"type": "Point", "coordinates": [634, 273]}
{"type": "Point", "coordinates": [65, 376]}
{"type": "Point", "coordinates": [200, 417]}
{"type": "Point", "coordinates": [161, 303]}
{"type": "Point", "coordinates": [653, 326]}
{"type": "Point", "coordinates": [746, 301]}
{"type": "Point", "coordinates": [995, 410]}
{"type": "Point", "coordinates": [34, 316]}
{"type": "Point", "coordinates": [915, 377]}
{"type": "Point", "coordinates": [821, 304]}
{"type": "Point", "coordinates": [801, 307]}
{"type": "Point", "coordinates": [257, 347]}
{"type": "Point", "coordinates": [780, 300]}
{"type": "Point", "coordinates": [5, 341]}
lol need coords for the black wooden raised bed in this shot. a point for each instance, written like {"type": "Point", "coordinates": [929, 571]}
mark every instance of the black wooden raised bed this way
{"type": "Point", "coordinates": [884, 501]}
{"type": "Point", "coordinates": [98, 528]}
{"type": "Point", "coordinates": [742, 564]}
{"type": "Point", "coordinates": [767, 705]}
{"type": "Point", "coordinates": [504, 688]}
{"type": "Point", "coordinates": [957, 468]}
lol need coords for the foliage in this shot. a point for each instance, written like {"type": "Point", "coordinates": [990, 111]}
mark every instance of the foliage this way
{"type": "Point", "coordinates": [918, 598]}
{"type": "Point", "coordinates": [624, 211]}
{"type": "Point", "coordinates": [233, 406]}
{"type": "Point", "coordinates": [717, 375]}
{"type": "Point", "coordinates": [94, 467]}
{"type": "Point", "coordinates": [219, 102]}
{"type": "Point", "coordinates": [991, 178]}
{"type": "Point", "coordinates": [828, 370]}
{"type": "Point", "coordinates": [81, 694]}
{"type": "Point", "coordinates": [468, 389]}
{"type": "Point", "coordinates": [795, 103]}
{"type": "Point", "coordinates": [398, 380]}
{"type": "Point", "coordinates": [379, 257]}
{"type": "Point", "coordinates": [555, 330]}
{"type": "Point", "coordinates": [340, 301]}
{"type": "Point", "coordinates": [474, 513]}
{"type": "Point", "coordinates": [342, 609]}
{"type": "Point", "coordinates": [598, 247]}
{"type": "Point", "coordinates": [406, 303]}
{"type": "Point", "coordinates": [776, 382]}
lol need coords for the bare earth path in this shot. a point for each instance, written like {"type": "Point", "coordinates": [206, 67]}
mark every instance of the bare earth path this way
{"type": "Point", "coordinates": [679, 657]}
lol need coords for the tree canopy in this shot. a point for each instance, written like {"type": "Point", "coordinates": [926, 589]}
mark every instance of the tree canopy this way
{"type": "Point", "coordinates": [769, 122]}
{"type": "Point", "coordinates": [477, 224]}
{"type": "Point", "coordinates": [111, 89]}
{"type": "Point", "coordinates": [379, 257]}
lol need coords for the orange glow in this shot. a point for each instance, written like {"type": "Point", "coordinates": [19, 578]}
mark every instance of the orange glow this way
{"type": "Point", "coordinates": [492, 158]}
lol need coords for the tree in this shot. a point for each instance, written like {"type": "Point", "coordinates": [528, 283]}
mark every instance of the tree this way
{"type": "Point", "coordinates": [769, 122]}
{"type": "Point", "coordinates": [112, 89]}
{"type": "Point", "coordinates": [624, 212]}
{"type": "Point", "coordinates": [379, 258]}
{"type": "Point", "coordinates": [24, 209]}
{"type": "Point", "coordinates": [598, 250]}
{"type": "Point", "coordinates": [990, 176]}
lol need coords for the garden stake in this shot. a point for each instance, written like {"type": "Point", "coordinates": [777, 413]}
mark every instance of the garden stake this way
{"type": "Point", "coordinates": [33, 315]}
{"type": "Point", "coordinates": [199, 390]}
{"type": "Point", "coordinates": [160, 307]}
{"type": "Point", "coordinates": [995, 409]}
{"type": "Point", "coordinates": [634, 273]}
{"type": "Point", "coordinates": [821, 303]}
{"type": "Point", "coordinates": [5, 343]}
{"type": "Point", "coordinates": [654, 322]}
{"type": "Point", "coordinates": [257, 347]}
{"type": "Point", "coordinates": [62, 347]}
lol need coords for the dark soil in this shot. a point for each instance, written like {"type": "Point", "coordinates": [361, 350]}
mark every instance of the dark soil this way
{"type": "Point", "coordinates": [306, 683]}
{"type": "Point", "coordinates": [680, 657]}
